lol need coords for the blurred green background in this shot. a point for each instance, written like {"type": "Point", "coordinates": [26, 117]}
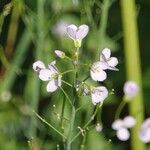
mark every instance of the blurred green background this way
{"type": "Point", "coordinates": [32, 30]}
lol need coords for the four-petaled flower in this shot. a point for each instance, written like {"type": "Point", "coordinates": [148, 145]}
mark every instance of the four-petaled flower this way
{"type": "Point", "coordinates": [121, 126]}
{"type": "Point", "coordinates": [50, 74]}
{"type": "Point", "coordinates": [106, 62]}
{"type": "Point", "coordinates": [77, 33]}
{"type": "Point", "coordinates": [144, 133]}
{"type": "Point", "coordinates": [99, 94]}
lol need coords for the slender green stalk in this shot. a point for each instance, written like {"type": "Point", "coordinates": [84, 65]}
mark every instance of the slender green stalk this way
{"type": "Point", "coordinates": [103, 24]}
{"type": "Point", "coordinates": [119, 109]}
{"type": "Point", "coordinates": [89, 121]}
{"type": "Point", "coordinates": [38, 55]}
{"type": "Point", "coordinates": [16, 63]}
{"type": "Point", "coordinates": [133, 64]}
{"type": "Point", "coordinates": [66, 95]}
{"type": "Point", "coordinates": [43, 120]}
{"type": "Point", "coordinates": [71, 128]}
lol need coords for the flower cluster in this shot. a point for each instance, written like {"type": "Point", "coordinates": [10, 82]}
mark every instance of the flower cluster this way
{"type": "Point", "coordinates": [121, 126]}
{"type": "Point", "coordinates": [97, 71]}
{"type": "Point", "coordinates": [144, 133]}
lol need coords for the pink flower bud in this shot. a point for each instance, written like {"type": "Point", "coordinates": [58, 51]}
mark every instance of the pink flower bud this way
{"type": "Point", "coordinates": [60, 53]}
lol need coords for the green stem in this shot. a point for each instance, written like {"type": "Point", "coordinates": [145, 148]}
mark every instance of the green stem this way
{"type": "Point", "coordinates": [89, 121]}
{"type": "Point", "coordinates": [133, 66]}
{"type": "Point", "coordinates": [66, 95]}
{"type": "Point", "coordinates": [71, 128]}
{"type": "Point", "coordinates": [43, 120]}
{"type": "Point", "coordinates": [119, 109]}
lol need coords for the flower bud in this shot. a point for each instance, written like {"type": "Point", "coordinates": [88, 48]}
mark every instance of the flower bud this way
{"type": "Point", "coordinates": [130, 89]}
{"type": "Point", "coordinates": [60, 54]}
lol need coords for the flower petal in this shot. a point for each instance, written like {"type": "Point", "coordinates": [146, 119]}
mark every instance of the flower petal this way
{"type": "Point", "coordinates": [82, 32]}
{"type": "Point", "coordinates": [129, 121]}
{"type": "Point", "coordinates": [52, 86]}
{"type": "Point", "coordinates": [112, 62]}
{"type": "Point", "coordinates": [117, 124]}
{"type": "Point", "coordinates": [45, 74]}
{"type": "Point", "coordinates": [99, 94]}
{"type": "Point", "coordinates": [97, 73]}
{"type": "Point", "coordinates": [38, 65]}
{"type": "Point", "coordinates": [71, 31]}
{"type": "Point", "coordinates": [106, 54]}
{"type": "Point", "coordinates": [123, 134]}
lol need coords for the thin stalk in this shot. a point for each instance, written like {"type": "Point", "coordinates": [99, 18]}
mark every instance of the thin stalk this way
{"type": "Point", "coordinates": [43, 120]}
{"type": "Point", "coordinates": [71, 128]}
{"type": "Point", "coordinates": [38, 55]}
{"type": "Point", "coordinates": [89, 121]}
{"type": "Point", "coordinates": [133, 66]}
{"type": "Point", "coordinates": [119, 109]}
{"type": "Point", "coordinates": [103, 23]}
{"type": "Point", "coordinates": [13, 28]}
{"type": "Point", "coordinates": [69, 100]}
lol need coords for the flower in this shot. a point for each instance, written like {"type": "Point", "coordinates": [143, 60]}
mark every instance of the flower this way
{"type": "Point", "coordinates": [106, 61]}
{"type": "Point", "coordinates": [121, 126]}
{"type": "Point", "coordinates": [96, 72]}
{"type": "Point", "coordinates": [77, 33]}
{"type": "Point", "coordinates": [60, 53]}
{"type": "Point", "coordinates": [130, 89]}
{"type": "Point", "coordinates": [50, 74]}
{"type": "Point", "coordinates": [144, 133]}
{"type": "Point", "coordinates": [98, 94]}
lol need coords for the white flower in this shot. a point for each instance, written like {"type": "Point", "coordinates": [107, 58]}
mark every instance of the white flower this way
{"type": "Point", "coordinates": [96, 72]}
{"type": "Point", "coordinates": [144, 133]}
{"type": "Point", "coordinates": [106, 61]}
{"type": "Point", "coordinates": [99, 94]}
{"type": "Point", "coordinates": [50, 74]}
{"type": "Point", "coordinates": [121, 126]}
{"type": "Point", "coordinates": [77, 33]}
{"type": "Point", "coordinates": [123, 134]}
{"type": "Point", "coordinates": [130, 89]}
{"type": "Point", "coordinates": [60, 53]}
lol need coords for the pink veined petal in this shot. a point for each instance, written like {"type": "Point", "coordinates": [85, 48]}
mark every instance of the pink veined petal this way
{"type": "Point", "coordinates": [82, 32]}
{"type": "Point", "coordinates": [112, 62]}
{"type": "Point", "coordinates": [123, 134]}
{"type": "Point", "coordinates": [52, 85]}
{"type": "Point", "coordinates": [117, 124]}
{"type": "Point", "coordinates": [99, 94]}
{"type": "Point", "coordinates": [45, 74]}
{"type": "Point", "coordinates": [106, 52]}
{"type": "Point", "coordinates": [38, 65]}
{"type": "Point", "coordinates": [71, 31]}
